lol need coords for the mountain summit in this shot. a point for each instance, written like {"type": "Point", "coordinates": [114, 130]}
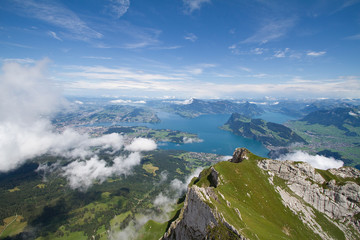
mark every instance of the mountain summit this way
{"type": "Point", "coordinates": [249, 197]}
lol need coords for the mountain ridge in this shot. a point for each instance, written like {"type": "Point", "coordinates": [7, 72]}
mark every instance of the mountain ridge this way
{"type": "Point", "coordinates": [255, 198]}
{"type": "Point", "coordinates": [269, 133]}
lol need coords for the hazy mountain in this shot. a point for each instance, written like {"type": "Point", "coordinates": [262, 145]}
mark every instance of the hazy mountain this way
{"type": "Point", "coordinates": [195, 107]}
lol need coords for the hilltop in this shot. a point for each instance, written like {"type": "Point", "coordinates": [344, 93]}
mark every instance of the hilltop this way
{"type": "Point", "coordinates": [250, 197]}
{"type": "Point", "coordinates": [268, 133]}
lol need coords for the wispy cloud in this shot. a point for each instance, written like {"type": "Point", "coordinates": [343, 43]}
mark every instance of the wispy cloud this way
{"type": "Point", "coordinates": [271, 30]}
{"type": "Point", "coordinates": [187, 83]}
{"type": "Point", "coordinates": [191, 37]}
{"type": "Point", "coordinates": [117, 8]}
{"type": "Point", "coordinates": [316, 54]}
{"type": "Point", "coordinates": [97, 57]}
{"type": "Point", "coordinates": [192, 5]}
{"type": "Point", "coordinates": [245, 69]}
{"type": "Point", "coordinates": [167, 47]}
{"type": "Point", "coordinates": [136, 37]}
{"type": "Point", "coordinates": [354, 37]}
{"type": "Point", "coordinates": [346, 4]}
{"type": "Point", "coordinates": [281, 53]}
{"type": "Point", "coordinates": [19, 60]}
{"type": "Point", "coordinates": [105, 73]}
{"type": "Point", "coordinates": [54, 35]}
{"type": "Point", "coordinates": [57, 15]}
{"type": "Point", "coordinates": [15, 44]}
{"type": "Point", "coordinates": [258, 51]}
{"type": "Point", "coordinates": [199, 68]}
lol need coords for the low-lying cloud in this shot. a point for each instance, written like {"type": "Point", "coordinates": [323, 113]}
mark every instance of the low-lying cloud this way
{"type": "Point", "coordinates": [82, 174]}
{"type": "Point", "coordinates": [187, 140]}
{"type": "Point", "coordinates": [27, 101]}
{"type": "Point", "coordinates": [141, 144]}
{"type": "Point", "coordinates": [164, 201]}
{"type": "Point", "coordinates": [317, 161]}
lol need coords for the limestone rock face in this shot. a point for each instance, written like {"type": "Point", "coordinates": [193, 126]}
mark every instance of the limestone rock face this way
{"type": "Point", "coordinates": [240, 155]}
{"type": "Point", "coordinates": [337, 201]}
{"type": "Point", "coordinates": [306, 191]}
{"type": "Point", "coordinates": [197, 217]}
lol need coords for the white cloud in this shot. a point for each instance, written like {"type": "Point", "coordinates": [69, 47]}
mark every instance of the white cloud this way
{"type": "Point", "coordinates": [192, 5]}
{"type": "Point", "coordinates": [281, 53]}
{"type": "Point", "coordinates": [19, 60]}
{"type": "Point", "coordinates": [260, 75]}
{"type": "Point", "coordinates": [58, 15]}
{"type": "Point", "coordinates": [271, 30]}
{"type": "Point", "coordinates": [316, 54]}
{"type": "Point", "coordinates": [82, 174]}
{"type": "Point", "coordinates": [245, 69]}
{"type": "Point", "coordinates": [184, 102]}
{"type": "Point", "coordinates": [141, 144]}
{"type": "Point", "coordinates": [27, 99]}
{"type": "Point", "coordinates": [54, 35]}
{"type": "Point", "coordinates": [121, 101]}
{"type": "Point", "coordinates": [187, 140]}
{"type": "Point", "coordinates": [181, 186]}
{"type": "Point", "coordinates": [354, 37]}
{"type": "Point", "coordinates": [118, 8]}
{"type": "Point", "coordinates": [317, 161]}
{"type": "Point", "coordinates": [188, 87]}
{"type": "Point", "coordinates": [103, 73]}
{"type": "Point", "coordinates": [191, 37]}
{"type": "Point", "coordinates": [97, 57]}
{"type": "Point", "coordinates": [258, 51]}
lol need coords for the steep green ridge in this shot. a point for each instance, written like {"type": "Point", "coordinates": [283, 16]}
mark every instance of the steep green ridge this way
{"type": "Point", "coordinates": [247, 203]}
{"type": "Point", "coordinates": [263, 215]}
{"type": "Point", "coordinates": [268, 133]}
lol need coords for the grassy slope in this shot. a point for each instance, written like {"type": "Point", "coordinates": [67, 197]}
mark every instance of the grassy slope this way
{"type": "Point", "coordinates": [263, 215]}
{"type": "Point", "coordinates": [12, 226]}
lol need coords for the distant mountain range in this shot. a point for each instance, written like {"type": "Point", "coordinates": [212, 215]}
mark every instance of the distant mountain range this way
{"type": "Point", "coordinates": [343, 118]}
{"type": "Point", "coordinates": [195, 107]}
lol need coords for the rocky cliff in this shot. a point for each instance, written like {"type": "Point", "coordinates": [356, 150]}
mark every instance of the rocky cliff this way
{"type": "Point", "coordinates": [253, 198]}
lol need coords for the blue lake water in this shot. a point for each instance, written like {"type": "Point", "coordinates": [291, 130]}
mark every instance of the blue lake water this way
{"type": "Point", "coordinates": [275, 117]}
{"type": "Point", "coordinates": [214, 140]}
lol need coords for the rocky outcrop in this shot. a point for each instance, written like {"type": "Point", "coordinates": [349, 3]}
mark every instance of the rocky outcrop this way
{"type": "Point", "coordinates": [240, 155]}
{"type": "Point", "coordinates": [322, 200]}
{"type": "Point", "coordinates": [338, 200]}
{"type": "Point", "coordinates": [197, 218]}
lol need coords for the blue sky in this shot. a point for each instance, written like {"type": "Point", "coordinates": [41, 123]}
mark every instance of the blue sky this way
{"type": "Point", "coordinates": [189, 48]}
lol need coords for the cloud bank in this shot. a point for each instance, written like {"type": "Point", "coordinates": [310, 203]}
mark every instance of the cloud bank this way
{"type": "Point", "coordinates": [317, 161]}
{"type": "Point", "coordinates": [27, 100]}
{"type": "Point", "coordinates": [82, 174]}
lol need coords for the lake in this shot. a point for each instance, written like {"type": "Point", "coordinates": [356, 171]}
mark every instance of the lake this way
{"type": "Point", "coordinates": [214, 140]}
